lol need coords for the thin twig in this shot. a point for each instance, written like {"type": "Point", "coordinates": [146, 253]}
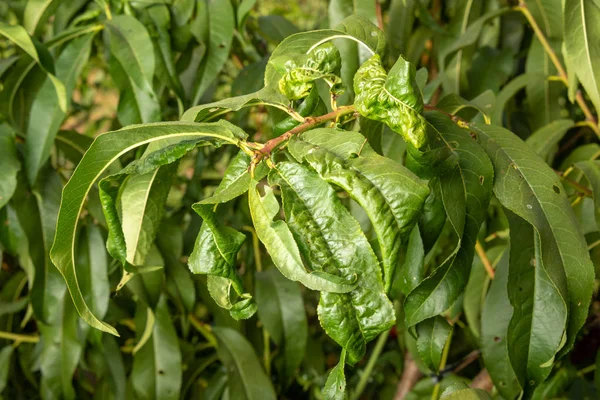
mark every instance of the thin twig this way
{"type": "Point", "coordinates": [19, 338]}
{"type": "Point", "coordinates": [484, 259]}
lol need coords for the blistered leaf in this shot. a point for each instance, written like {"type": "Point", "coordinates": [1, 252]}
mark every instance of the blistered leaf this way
{"type": "Point", "coordinates": [331, 240]}
{"type": "Point", "coordinates": [247, 380]}
{"type": "Point", "coordinates": [321, 62]}
{"type": "Point", "coordinates": [392, 98]}
{"type": "Point", "coordinates": [390, 194]}
{"type": "Point", "coordinates": [529, 188]}
{"type": "Point", "coordinates": [281, 246]}
{"type": "Point", "coordinates": [106, 149]}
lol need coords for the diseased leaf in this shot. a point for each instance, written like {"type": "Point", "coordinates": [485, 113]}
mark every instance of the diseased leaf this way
{"type": "Point", "coordinates": [392, 98]}
{"type": "Point", "coordinates": [106, 149]}
{"type": "Point", "coordinates": [280, 244]}
{"type": "Point", "coordinates": [465, 191]}
{"type": "Point", "coordinates": [529, 188]}
{"type": "Point", "coordinates": [581, 30]}
{"type": "Point", "coordinates": [281, 310]}
{"type": "Point", "coordinates": [331, 240]}
{"type": "Point", "coordinates": [495, 318]}
{"type": "Point", "coordinates": [432, 335]}
{"type": "Point", "coordinates": [247, 379]}
{"type": "Point", "coordinates": [390, 194]}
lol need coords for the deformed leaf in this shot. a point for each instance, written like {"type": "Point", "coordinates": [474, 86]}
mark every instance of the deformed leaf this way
{"type": "Point", "coordinates": [106, 149]}
{"type": "Point", "coordinates": [390, 194]}
{"type": "Point", "coordinates": [331, 240]}
{"type": "Point", "coordinates": [281, 246]}
{"type": "Point", "coordinates": [392, 98]}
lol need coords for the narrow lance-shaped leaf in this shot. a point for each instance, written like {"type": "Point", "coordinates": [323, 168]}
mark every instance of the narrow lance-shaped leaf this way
{"type": "Point", "coordinates": [331, 240]}
{"type": "Point", "coordinates": [466, 191]}
{"type": "Point", "coordinates": [392, 98]}
{"type": "Point", "coordinates": [106, 149]}
{"type": "Point", "coordinates": [280, 244]}
{"type": "Point", "coordinates": [156, 371]}
{"type": "Point", "coordinates": [495, 318]}
{"type": "Point", "coordinates": [247, 380]}
{"type": "Point", "coordinates": [591, 170]}
{"type": "Point", "coordinates": [9, 164]}
{"type": "Point", "coordinates": [539, 298]}
{"type": "Point", "coordinates": [335, 386]}
{"type": "Point", "coordinates": [529, 188]}
{"type": "Point", "coordinates": [432, 335]}
{"type": "Point", "coordinates": [581, 31]}
{"type": "Point", "coordinates": [391, 195]}
{"type": "Point", "coordinates": [281, 309]}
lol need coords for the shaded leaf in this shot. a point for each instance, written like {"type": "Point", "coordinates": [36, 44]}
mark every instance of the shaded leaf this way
{"type": "Point", "coordinates": [9, 164]}
{"type": "Point", "coordinates": [432, 335]}
{"type": "Point", "coordinates": [544, 140]}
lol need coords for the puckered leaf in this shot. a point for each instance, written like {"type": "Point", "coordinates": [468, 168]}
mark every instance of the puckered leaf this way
{"type": "Point", "coordinates": [331, 240]}
{"type": "Point", "coordinates": [529, 188]}
{"type": "Point", "coordinates": [279, 242]}
{"type": "Point", "coordinates": [391, 195]}
{"type": "Point", "coordinates": [465, 191]}
{"type": "Point", "coordinates": [106, 149]}
{"type": "Point", "coordinates": [321, 62]}
{"type": "Point", "coordinates": [295, 47]}
{"type": "Point", "coordinates": [392, 98]}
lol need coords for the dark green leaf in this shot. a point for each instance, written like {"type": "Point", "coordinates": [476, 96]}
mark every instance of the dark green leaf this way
{"type": "Point", "coordinates": [335, 386]}
{"type": "Point", "coordinates": [544, 140]}
{"type": "Point", "coordinates": [432, 335]}
{"type": "Point", "coordinates": [331, 239]}
{"type": "Point", "coordinates": [276, 27]}
{"type": "Point", "coordinates": [591, 170]}
{"type": "Point", "coordinates": [390, 194]}
{"type": "Point", "coordinates": [280, 244]}
{"type": "Point", "coordinates": [5, 364]}
{"type": "Point", "coordinates": [9, 164]}
{"type": "Point", "coordinates": [247, 379]}
{"type": "Point", "coordinates": [281, 310]}
{"type": "Point", "coordinates": [413, 270]}
{"type": "Point", "coordinates": [468, 394]}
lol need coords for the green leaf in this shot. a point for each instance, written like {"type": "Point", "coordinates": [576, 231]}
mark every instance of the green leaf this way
{"type": "Point", "coordinates": [18, 35]}
{"type": "Point", "coordinates": [549, 16]}
{"type": "Point", "coordinates": [331, 239]}
{"type": "Point", "coordinates": [392, 98]}
{"type": "Point", "coordinates": [413, 270]}
{"type": "Point", "coordinates": [276, 27]}
{"type": "Point", "coordinates": [544, 140]}
{"type": "Point", "coordinates": [539, 299]}
{"type": "Point", "coordinates": [280, 244]}
{"type": "Point", "coordinates": [281, 310]}
{"type": "Point", "coordinates": [143, 199]}
{"type": "Point", "coordinates": [133, 54]}
{"type": "Point", "coordinates": [432, 335]}
{"type": "Point", "coordinates": [247, 379]}
{"type": "Point", "coordinates": [453, 103]}
{"type": "Point", "coordinates": [207, 112]}
{"type": "Point", "coordinates": [335, 386]}
{"type": "Point", "coordinates": [215, 254]}
{"type": "Point", "coordinates": [295, 47]}
{"type": "Point", "coordinates": [46, 115]}
{"type": "Point", "coordinates": [557, 384]}
{"type": "Point", "coordinates": [402, 17]}
{"type": "Point", "coordinates": [508, 92]}
{"type": "Point", "coordinates": [465, 191]}
{"type": "Point", "coordinates": [221, 25]}
{"type": "Point", "coordinates": [580, 30]}
{"type": "Point", "coordinates": [495, 318]}
{"type": "Point", "coordinates": [468, 394]}
{"type": "Point", "coordinates": [591, 170]}
{"type": "Point", "coordinates": [433, 218]}
{"type": "Point", "coordinates": [529, 188]}
{"type": "Point", "coordinates": [34, 11]}
{"type": "Point", "coordinates": [5, 364]}
{"type": "Point", "coordinates": [106, 149]}
{"type": "Point", "coordinates": [9, 164]}
{"type": "Point", "coordinates": [390, 194]}
{"type": "Point", "coordinates": [73, 145]}
{"type": "Point", "coordinates": [236, 179]}
{"type": "Point", "coordinates": [156, 371]}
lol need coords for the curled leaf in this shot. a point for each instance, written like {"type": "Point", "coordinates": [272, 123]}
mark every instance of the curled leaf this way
{"type": "Point", "coordinates": [392, 98]}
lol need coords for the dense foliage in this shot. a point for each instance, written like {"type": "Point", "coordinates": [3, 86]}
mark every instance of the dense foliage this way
{"type": "Point", "coordinates": [197, 200]}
